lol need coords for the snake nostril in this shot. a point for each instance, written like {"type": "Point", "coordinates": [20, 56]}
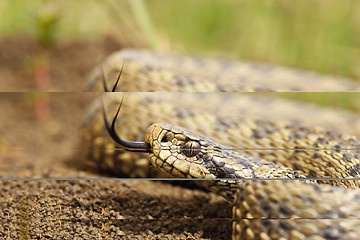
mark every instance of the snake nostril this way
{"type": "Point", "coordinates": [167, 137]}
{"type": "Point", "coordinates": [164, 139]}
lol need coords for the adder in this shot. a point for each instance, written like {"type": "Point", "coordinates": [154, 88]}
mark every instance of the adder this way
{"type": "Point", "coordinates": [231, 138]}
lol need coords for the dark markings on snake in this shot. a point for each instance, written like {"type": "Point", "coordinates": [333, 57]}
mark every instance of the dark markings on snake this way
{"type": "Point", "coordinates": [322, 140]}
{"type": "Point", "coordinates": [331, 233]}
{"type": "Point", "coordinates": [283, 224]}
{"type": "Point", "coordinates": [339, 147]}
{"type": "Point", "coordinates": [181, 81]}
{"type": "Point", "coordinates": [221, 173]}
{"type": "Point", "coordinates": [312, 173]}
{"type": "Point", "coordinates": [347, 157]}
{"type": "Point", "coordinates": [218, 163]}
{"type": "Point", "coordinates": [268, 223]}
{"type": "Point", "coordinates": [229, 170]}
{"type": "Point", "coordinates": [354, 170]}
{"type": "Point", "coordinates": [206, 158]}
{"type": "Point", "coordinates": [224, 124]}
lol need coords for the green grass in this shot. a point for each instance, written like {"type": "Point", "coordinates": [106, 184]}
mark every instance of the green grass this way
{"type": "Point", "coordinates": [320, 35]}
{"type": "Point", "coordinates": [349, 101]}
{"type": "Point", "coordinates": [323, 36]}
{"type": "Point", "coordinates": [81, 19]}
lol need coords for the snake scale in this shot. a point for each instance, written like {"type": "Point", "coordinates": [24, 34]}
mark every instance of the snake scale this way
{"type": "Point", "coordinates": [233, 135]}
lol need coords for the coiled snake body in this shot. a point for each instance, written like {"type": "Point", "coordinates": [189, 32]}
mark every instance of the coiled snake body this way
{"type": "Point", "coordinates": [263, 209]}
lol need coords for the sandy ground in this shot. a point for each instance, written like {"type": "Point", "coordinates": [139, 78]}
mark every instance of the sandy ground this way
{"type": "Point", "coordinates": [39, 135]}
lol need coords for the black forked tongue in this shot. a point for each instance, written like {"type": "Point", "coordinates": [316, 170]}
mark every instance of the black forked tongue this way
{"type": "Point", "coordinates": [128, 145]}
{"type": "Point", "coordinates": [117, 80]}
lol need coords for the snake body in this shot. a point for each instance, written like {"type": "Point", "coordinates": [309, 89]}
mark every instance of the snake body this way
{"type": "Point", "coordinates": [146, 71]}
{"type": "Point", "coordinates": [262, 209]}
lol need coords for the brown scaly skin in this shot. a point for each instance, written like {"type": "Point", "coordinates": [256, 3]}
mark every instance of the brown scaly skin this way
{"type": "Point", "coordinates": [293, 210]}
{"type": "Point", "coordinates": [146, 71]}
{"type": "Point", "coordinates": [227, 126]}
{"type": "Point", "coordinates": [270, 209]}
{"type": "Point", "coordinates": [262, 209]}
{"type": "Point", "coordinates": [265, 209]}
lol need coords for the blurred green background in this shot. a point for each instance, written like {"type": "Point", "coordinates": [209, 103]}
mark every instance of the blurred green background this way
{"type": "Point", "coordinates": [318, 35]}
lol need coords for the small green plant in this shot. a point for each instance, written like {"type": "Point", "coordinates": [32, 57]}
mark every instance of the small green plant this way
{"type": "Point", "coordinates": [45, 19]}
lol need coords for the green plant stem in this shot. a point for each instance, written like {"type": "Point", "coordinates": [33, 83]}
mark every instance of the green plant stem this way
{"type": "Point", "coordinates": [141, 16]}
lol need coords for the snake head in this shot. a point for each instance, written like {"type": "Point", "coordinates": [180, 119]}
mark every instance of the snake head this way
{"type": "Point", "coordinates": [183, 153]}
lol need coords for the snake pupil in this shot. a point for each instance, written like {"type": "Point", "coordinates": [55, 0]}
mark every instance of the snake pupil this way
{"type": "Point", "coordinates": [191, 149]}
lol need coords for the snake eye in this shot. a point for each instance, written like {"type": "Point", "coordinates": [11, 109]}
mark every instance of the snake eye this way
{"type": "Point", "coordinates": [191, 149]}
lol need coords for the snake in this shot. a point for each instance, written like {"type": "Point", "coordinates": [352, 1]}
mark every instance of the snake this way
{"type": "Point", "coordinates": [243, 154]}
